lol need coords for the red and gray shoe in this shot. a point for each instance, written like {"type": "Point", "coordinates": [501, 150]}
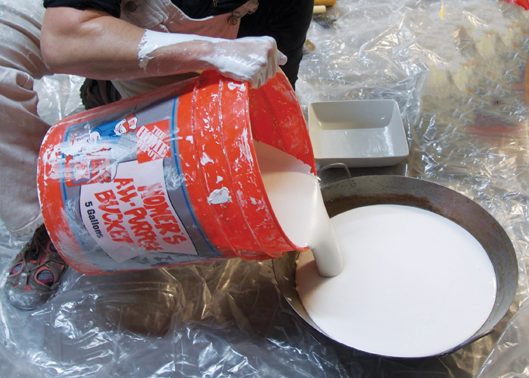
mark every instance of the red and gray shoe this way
{"type": "Point", "coordinates": [35, 273]}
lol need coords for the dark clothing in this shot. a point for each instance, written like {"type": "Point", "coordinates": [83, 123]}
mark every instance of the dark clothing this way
{"type": "Point", "coordinates": [192, 8]}
{"type": "Point", "coordinates": [285, 20]}
{"type": "Point", "coordinates": [109, 6]}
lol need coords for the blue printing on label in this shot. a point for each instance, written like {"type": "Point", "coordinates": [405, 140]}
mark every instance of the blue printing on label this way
{"type": "Point", "coordinates": [83, 238]}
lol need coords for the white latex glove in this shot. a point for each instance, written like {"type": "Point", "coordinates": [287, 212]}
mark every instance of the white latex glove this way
{"type": "Point", "coordinates": [253, 59]}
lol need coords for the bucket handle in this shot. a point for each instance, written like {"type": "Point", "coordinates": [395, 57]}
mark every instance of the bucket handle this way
{"type": "Point", "coordinates": [336, 165]}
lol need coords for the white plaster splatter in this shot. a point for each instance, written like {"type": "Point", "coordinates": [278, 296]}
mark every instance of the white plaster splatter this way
{"type": "Point", "coordinates": [219, 196]}
{"type": "Point", "coordinates": [205, 159]}
{"type": "Point", "coordinates": [244, 146]}
{"type": "Point", "coordinates": [152, 40]}
{"type": "Point", "coordinates": [232, 86]}
{"type": "Point", "coordinates": [219, 179]}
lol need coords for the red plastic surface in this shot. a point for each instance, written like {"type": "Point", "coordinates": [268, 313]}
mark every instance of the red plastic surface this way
{"type": "Point", "coordinates": [523, 3]}
{"type": "Point", "coordinates": [217, 120]}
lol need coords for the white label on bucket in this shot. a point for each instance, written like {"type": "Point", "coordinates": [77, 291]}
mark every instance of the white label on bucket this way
{"type": "Point", "coordinates": [133, 214]}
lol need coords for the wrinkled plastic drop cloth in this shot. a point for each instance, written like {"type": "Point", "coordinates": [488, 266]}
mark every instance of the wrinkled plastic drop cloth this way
{"type": "Point", "coordinates": [456, 68]}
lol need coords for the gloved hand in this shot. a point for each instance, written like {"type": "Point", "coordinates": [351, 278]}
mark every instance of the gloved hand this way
{"type": "Point", "coordinates": [253, 59]}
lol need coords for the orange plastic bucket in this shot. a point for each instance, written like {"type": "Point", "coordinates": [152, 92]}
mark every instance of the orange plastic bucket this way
{"type": "Point", "coordinates": [169, 177]}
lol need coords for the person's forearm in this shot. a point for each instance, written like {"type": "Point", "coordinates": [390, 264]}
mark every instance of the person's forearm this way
{"type": "Point", "coordinates": [99, 46]}
{"type": "Point", "coordinates": [93, 44]}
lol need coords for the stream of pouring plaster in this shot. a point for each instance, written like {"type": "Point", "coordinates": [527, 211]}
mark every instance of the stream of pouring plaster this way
{"type": "Point", "coordinates": [413, 284]}
{"type": "Point", "coordinates": [296, 199]}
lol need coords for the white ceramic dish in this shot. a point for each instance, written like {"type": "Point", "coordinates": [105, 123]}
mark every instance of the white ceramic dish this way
{"type": "Point", "coordinates": [362, 133]}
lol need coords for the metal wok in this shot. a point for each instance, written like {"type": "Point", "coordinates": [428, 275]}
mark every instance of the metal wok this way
{"type": "Point", "coordinates": [369, 190]}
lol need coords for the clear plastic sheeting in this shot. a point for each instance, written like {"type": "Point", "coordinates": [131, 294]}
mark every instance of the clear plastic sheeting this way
{"type": "Point", "coordinates": [457, 70]}
{"type": "Point", "coordinates": [510, 357]}
{"type": "Point", "coordinates": [59, 96]}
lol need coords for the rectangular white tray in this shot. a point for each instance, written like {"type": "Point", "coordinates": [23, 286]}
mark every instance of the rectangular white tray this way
{"type": "Point", "coordinates": [361, 133]}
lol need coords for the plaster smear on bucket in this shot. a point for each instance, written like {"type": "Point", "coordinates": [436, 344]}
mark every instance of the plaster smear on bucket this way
{"type": "Point", "coordinates": [414, 283]}
{"type": "Point", "coordinates": [295, 196]}
{"type": "Point", "coordinates": [219, 196]}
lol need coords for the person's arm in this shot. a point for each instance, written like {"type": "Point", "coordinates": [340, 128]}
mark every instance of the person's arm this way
{"type": "Point", "coordinates": [94, 44]}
